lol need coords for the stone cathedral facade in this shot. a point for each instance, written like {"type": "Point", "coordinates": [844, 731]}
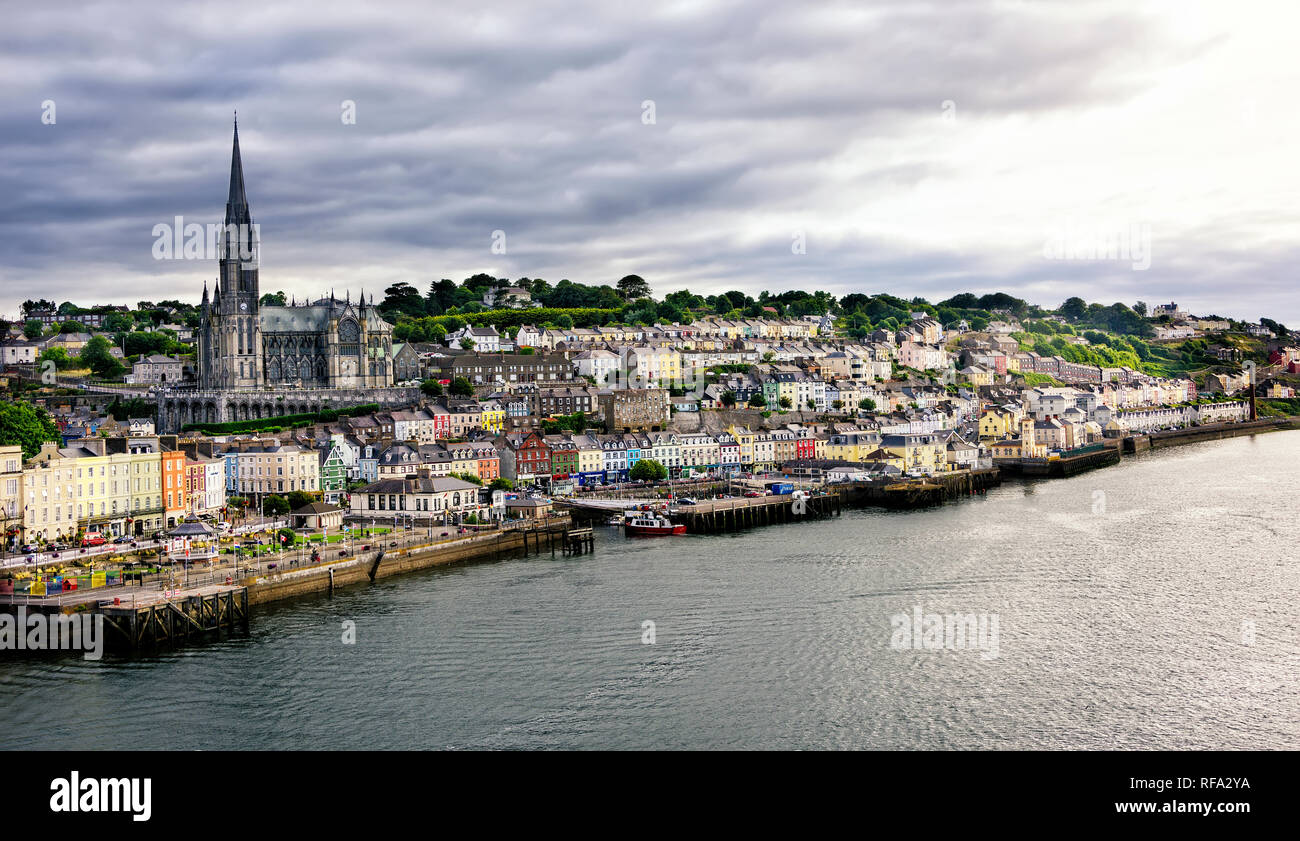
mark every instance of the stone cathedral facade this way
{"type": "Point", "coordinates": [259, 361]}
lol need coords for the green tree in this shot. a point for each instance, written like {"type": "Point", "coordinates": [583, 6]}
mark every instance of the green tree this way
{"type": "Point", "coordinates": [785, 402]}
{"type": "Point", "coordinates": [402, 297]}
{"type": "Point", "coordinates": [32, 329]}
{"type": "Point", "coordinates": [431, 388]}
{"type": "Point", "coordinates": [298, 499]}
{"type": "Point", "coordinates": [729, 399]}
{"type": "Point", "coordinates": [272, 299]}
{"type": "Point", "coordinates": [59, 356]}
{"type": "Point", "coordinates": [119, 322]}
{"type": "Point", "coordinates": [1074, 308]}
{"type": "Point", "coordinates": [96, 355]}
{"type": "Point", "coordinates": [461, 387]}
{"type": "Point", "coordinates": [757, 400]}
{"type": "Point", "coordinates": [632, 287]}
{"type": "Point", "coordinates": [26, 425]}
{"type": "Point", "coordinates": [275, 505]}
{"type": "Point", "coordinates": [867, 404]}
{"type": "Point", "coordinates": [649, 470]}
{"type": "Point", "coordinates": [501, 483]}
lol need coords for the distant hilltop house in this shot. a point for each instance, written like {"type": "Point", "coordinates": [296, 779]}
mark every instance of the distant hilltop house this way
{"type": "Point", "coordinates": [1176, 331]}
{"type": "Point", "coordinates": [1170, 309]}
{"type": "Point", "coordinates": [512, 297]}
{"type": "Point", "coordinates": [48, 318]}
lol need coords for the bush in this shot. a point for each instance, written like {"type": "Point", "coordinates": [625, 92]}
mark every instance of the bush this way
{"type": "Point", "coordinates": [278, 424]}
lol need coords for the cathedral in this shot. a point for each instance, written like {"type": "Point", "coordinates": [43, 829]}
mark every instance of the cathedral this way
{"type": "Point", "coordinates": [324, 344]}
{"type": "Point", "coordinates": [256, 361]}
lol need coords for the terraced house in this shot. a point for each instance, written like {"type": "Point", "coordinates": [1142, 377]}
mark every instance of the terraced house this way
{"type": "Point", "coordinates": [333, 472]}
{"type": "Point", "coordinates": [268, 466]}
{"type": "Point", "coordinates": [50, 487]}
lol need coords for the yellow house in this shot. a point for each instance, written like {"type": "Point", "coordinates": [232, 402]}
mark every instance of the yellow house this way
{"type": "Point", "coordinates": [922, 452]}
{"type": "Point", "coordinates": [879, 456]}
{"type": "Point", "coordinates": [745, 439]}
{"type": "Point", "coordinates": [997, 422]}
{"type": "Point", "coordinates": [492, 417]}
{"type": "Point", "coordinates": [591, 456]}
{"type": "Point", "coordinates": [977, 376]}
{"type": "Point", "coordinates": [850, 446]}
{"type": "Point", "coordinates": [464, 459]}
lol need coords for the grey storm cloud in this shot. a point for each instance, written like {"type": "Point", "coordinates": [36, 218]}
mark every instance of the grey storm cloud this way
{"type": "Point", "coordinates": [527, 118]}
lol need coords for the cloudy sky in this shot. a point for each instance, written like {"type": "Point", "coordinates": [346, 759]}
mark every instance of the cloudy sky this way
{"type": "Point", "coordinates": [913, 148]}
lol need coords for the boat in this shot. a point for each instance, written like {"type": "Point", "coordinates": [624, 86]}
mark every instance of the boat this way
{"type": "Point", "coordinates": [616, 520]}
{"type": "Point", "coordinates": [653, 525]}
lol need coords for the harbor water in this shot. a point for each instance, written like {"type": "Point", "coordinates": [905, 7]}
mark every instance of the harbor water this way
{"type": "Point", "coordinates": [1155, 604]}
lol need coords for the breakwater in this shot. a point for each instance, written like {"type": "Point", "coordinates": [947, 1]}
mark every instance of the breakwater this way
{"type": "Point", "coordinates": [1208, 432]}
{"type": "Point", "coordinates": [921, 493]}
{"type": "Point", "coordinates": [1059, 468]}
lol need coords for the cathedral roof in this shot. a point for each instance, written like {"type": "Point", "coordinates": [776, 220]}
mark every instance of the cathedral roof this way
{"type": "Point", "coordinates": [294, 319]}
{"type": "Point", "coordinates": [314, 318]}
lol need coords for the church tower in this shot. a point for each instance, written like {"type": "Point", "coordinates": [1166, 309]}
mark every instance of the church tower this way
{"type": "Point", "coordinates": [236, 328]}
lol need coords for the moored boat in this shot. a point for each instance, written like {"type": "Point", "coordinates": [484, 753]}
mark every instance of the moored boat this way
{"type": "Point", "coordinates": [653, 525]}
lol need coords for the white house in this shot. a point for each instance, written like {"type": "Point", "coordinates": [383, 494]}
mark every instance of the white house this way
{"type": "Point", "coordinates": [485, 339]}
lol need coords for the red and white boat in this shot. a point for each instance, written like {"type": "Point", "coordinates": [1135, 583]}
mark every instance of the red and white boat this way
{"type": "Point", "coordinates": [645, 524]}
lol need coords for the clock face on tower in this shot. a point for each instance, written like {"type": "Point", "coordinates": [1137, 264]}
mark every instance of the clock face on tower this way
{"type": "Point", "coordinates": [243, 306]}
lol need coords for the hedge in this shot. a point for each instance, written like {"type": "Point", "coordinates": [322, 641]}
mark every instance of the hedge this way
{"type": "Point", "coordinates": [280, 422]}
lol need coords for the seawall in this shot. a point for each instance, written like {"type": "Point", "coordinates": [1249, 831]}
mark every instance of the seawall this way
{"type": "Point", "coordinates": [371, 566]}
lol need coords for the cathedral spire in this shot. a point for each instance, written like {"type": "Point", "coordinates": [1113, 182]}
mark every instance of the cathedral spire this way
{"type": "Point", "coordinates": [237, 201]}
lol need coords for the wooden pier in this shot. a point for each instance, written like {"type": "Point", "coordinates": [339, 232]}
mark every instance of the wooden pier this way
{"type": "Point", "coordinates": [579, 541]}
{"type": "Point", "coordinates": [164, 619]}
{"type": "Point", "coordinates": [570, 541]}
{"type": "Point", "coordinates": [722, 515]}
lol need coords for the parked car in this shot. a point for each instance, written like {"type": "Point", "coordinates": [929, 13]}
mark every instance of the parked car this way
{"type": "Point", "coordinates": [126, 538]}
{"type": "Point", "coordinates": [685, 500]}
{"type": "Point", "coordinates": [93, 539]}
{"type": "Point", "coordinates": [752, 493]}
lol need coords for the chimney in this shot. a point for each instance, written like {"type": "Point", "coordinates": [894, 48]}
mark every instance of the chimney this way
{"type": "Point", "coordinates": [95, 445]}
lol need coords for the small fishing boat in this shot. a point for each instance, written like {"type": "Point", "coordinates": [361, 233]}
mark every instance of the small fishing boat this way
{"type": "Point", "coordinates": [616, 520]}
{"type": "Point", "coordinates": [646, 524]}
